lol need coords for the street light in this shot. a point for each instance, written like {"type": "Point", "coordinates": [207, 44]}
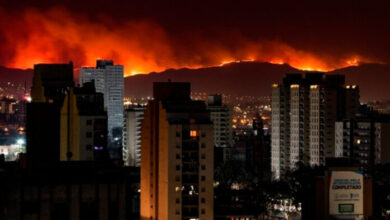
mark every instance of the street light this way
{"type": "Point", "coordinates": [20, 142]}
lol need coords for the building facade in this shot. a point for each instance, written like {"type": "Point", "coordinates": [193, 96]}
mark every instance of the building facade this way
{"type": "Point", "coordinates": [51, 83]}
{"type": "Point", "coordinates": [177, 156]}
{"type": "Point", "coordinates": [108, 80]}
{"type": "Point", "coordinates": [364, 140]}
{"type": "Point", "coordinates": [132, 136]}
{"type": "Point", "coordinates": [222, 116]}
{"type": "Point", "coordinates": [83, 125]}
{"type": "Point", "coordinates": [304, 110]}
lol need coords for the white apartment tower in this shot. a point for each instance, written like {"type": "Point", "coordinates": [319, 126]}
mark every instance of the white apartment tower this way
{"type": "Point", "coordinates": [132, 136]}
{"type": "Point", "coordinates": [108, 80]}
{"type": "Point", "coordinates": [304, 110]}
{"type": "Point", "coordinates": [222, 116]}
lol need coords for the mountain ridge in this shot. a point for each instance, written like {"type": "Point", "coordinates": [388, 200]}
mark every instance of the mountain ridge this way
{"type": "Point", "coordinates": [241, 78]}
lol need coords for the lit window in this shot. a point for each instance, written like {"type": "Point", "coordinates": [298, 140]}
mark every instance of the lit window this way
{"type": "Point", "coordinates": [193, 133]}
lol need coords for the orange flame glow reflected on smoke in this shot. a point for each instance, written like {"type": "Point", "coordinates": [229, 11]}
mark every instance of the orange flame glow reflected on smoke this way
{"type": "Point", "coordinates": [141, 46]}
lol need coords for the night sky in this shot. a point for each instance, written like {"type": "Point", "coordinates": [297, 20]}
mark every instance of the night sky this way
{"type": "Point", "coordinates": [150, 36]}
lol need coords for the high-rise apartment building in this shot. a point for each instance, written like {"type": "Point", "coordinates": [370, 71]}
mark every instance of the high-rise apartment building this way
{"type": "Point", "coordinates": [108, 80]}
{"type": "Point", "coordinates": [177, 156]}
{"type": "Point", "coordinates": [222, 116]}
{"type": "Point", "coordinates": [304, 110]}
{"type": "Point", "coordinates": [51, 83]}
{"type": "Point", "coordinates": [83, 125]}
{"type": "Point", "coordinates": [364, 140]}
{"type": "Point", "coordinates": [132, 135]}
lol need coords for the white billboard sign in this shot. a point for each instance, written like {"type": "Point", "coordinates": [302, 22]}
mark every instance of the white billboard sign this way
{"type": "Point", "coordinates": [346, 193]}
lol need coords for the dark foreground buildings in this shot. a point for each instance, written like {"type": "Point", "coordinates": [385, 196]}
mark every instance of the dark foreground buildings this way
{"type": "Point", "coordinates": [66, 172]}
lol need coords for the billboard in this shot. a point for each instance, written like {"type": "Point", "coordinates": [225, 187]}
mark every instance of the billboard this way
{"type": "Point", "coordinates": [346, 193]}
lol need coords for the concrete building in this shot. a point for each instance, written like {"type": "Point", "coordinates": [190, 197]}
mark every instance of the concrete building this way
{"type": "Point", "coordinates": [364, 140]}
{"type": "Point", "coordinates": [304, 110]}
{"type": "Point", "coordinates": [108, 80]}
{"type": "Point", "coordinates": [177, 156]}
{"type": "Point", "coordinates": [51, 83]}
{"type": "Point", "coordinates": [83, 125]}
{"type": "Point", "coordinates": [132, 136]}
{"type": "Point", "coordinates": [222, 116]}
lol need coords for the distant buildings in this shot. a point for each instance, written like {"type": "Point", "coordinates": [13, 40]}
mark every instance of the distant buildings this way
{"type": "Point", "coordinates": [304, 111]}
{"type": "Point", "coordinates": [108, 80]}
{"type": "Point", "coordinates": [177, 156]}
{"type": "Point", "coordinates": [222, 116]}
{"type": "Point", "coordinates": [364, 139]}
{"type": "Point", "coordinates": [132, 136]}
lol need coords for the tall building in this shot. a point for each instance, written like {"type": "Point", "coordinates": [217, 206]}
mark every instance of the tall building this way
{"type": "Point", "coordinates": [364, 140]}
{"type": "Point", "coordinates": [222, 116]}
{"type": "Point", "coordinates": [83, 125]}
{"type": "Point", "coordinates": [177, 156]}
{"type": "Point", "coordinates": [132, 136]}
{"type": "Point", "coordinates": [108, 80]}
{"type": "Point", "coordinates": [51, 83]}
{"type": "Point", "coordinates": [304, 110]}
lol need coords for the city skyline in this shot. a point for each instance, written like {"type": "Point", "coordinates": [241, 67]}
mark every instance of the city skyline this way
{"type": "Point", "coordinates": [194, 110]}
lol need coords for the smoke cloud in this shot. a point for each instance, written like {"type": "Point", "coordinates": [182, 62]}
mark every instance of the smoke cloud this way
{"type": "Point", "coordinates": [142, 45]}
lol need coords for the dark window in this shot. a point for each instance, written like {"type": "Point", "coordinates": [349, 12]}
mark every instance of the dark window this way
{"type": "Point", "coordinates": [203, 156]}
{"type": "Point", "coordinates": [203, 167]}
{"type": "Point", "coordinates": [203, 212]}
{"type": "Point", "coordinates": [177, 167]}
{"type": "Point", "coordinates": [177, 134]}
{"type": "Point", "coordinates": [203, 135]}
{"type": "Point", "coordinates": [177, 178]}
{"type": "Point", "coordinates": [89, 147]}
{"type": "Point", "coordinates": [177, 156]}
{"type": "Point", "coordinates": [89, 122]}
{"type": "Point", "coordinates": [203, 200]}
{"type": "Point", "coordinates": [203, 189]}
{"type": "Point", "coordinates": [203, 178]}
{"type": "Point", "coordinates": [203, 145]}
{"type": "Point", "coordinates": [177, 200]}
{"type": "Point", "coordinates": [89, 134]}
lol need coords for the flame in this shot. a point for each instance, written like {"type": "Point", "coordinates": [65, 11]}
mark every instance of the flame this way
{"type": "Point", "coordinates": [142, 46]}
{"type": "Point", "coordinates": [353, 62]}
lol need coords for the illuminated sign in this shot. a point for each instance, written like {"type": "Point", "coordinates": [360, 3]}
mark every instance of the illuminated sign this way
{"type": "Point", "coordinates": [346, 193]}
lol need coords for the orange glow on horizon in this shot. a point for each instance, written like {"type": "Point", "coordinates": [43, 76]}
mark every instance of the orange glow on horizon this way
{"type": "Point", "coordinates": [140, 46]}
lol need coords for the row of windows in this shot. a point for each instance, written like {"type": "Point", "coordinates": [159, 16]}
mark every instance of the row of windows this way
{"type": "Point", "coordinates": [193, 133]}
{"type": "Point", "coordinates": [202, 178]}
{"type": "Point", "coordinates": [202, 200]}
{"type": "Point", "coordinates": [178, 213]}
{"type": "Point", "coordinates": [203, 156]}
